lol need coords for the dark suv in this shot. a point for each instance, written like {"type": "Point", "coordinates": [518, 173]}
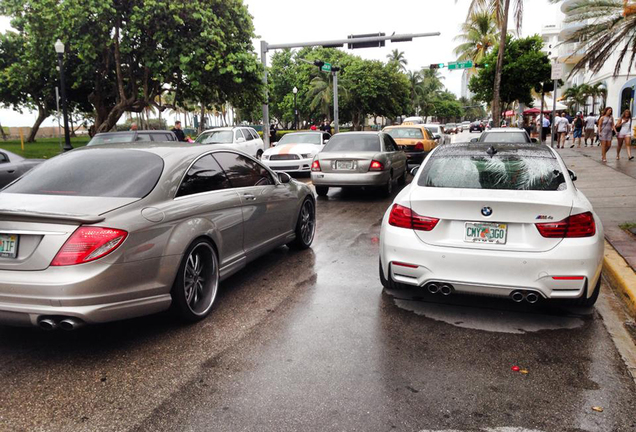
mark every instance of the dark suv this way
{"type": "Point", "coordinates": [132, 136]}
{"type": "Point", "coordinates": [476, 126]}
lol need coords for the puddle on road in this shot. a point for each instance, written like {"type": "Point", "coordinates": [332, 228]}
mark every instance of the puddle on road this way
{"type": "Point", "coordinates": [488, 314]}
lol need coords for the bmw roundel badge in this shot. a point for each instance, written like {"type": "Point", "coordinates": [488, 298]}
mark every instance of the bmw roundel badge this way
{"type": "Point", "coordinates": [486, 211]}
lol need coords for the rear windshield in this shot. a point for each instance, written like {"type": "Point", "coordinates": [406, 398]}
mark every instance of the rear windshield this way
{"type": "Point", "coordinates": [406, 133]}
{"type": "Point", "coordinates": [352, 143]}
{"type": "Point", "coordinates": [216, 137]}
{"type": "Point", "coordinates": [433, 129]}
{"type": "Point", "coordinates": [96, 173]}
{"type": "Point", "coordinates": [504, 137]}
{"type": "Point", "coordinates": [112, 138]}
{"type": "Point", "coordinates": [507, 172]}
{"type": "Point", "coordinates": [310, 138]}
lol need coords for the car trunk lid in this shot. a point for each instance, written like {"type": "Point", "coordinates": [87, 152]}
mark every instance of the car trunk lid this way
{"type": "Point", "coordinates": [347, 162]}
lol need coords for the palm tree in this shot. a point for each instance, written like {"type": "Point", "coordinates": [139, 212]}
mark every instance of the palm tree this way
{"type": "Point", "coordinates": [479, 35]}
{"type": "Point", "coordinates": [415, 81]}
{"type": "Point", "coordinates": [576, 96]}
{"type": "Point", "coordinates": [397, 57]}
{"type": "Point", "coordinates": [501, 10]}
{"type": "Point", "coordinates": [610, 27]}
{"type": "Point", "coordinates": [321, 93]}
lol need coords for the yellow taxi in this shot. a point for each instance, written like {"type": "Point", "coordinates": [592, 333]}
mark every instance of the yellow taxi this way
{"type": "Point", "coordinates": [414, 139]}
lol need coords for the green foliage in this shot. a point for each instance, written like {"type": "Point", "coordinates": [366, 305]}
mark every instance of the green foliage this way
{"type": "Point", "coordinates": [525, 67]}
{"type": "Point", "coordinates": [479, 35]}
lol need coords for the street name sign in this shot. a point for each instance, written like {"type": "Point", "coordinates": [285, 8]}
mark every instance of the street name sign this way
{"type": "Point", "coordinates": [326, 67]}
{"type": "Point", "coordinates": [460, 65]}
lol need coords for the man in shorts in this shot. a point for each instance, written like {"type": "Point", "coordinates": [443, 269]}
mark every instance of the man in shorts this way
{"type": "Point", "coordinates": [577, 126]}
{"type": "Point", "coordinates": [590, 123]}
{"type": "Point", "coordinates": [562, 125]}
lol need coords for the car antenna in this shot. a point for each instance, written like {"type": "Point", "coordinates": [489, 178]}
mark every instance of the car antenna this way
{"type": "Point", "coordinates": [491, 151]}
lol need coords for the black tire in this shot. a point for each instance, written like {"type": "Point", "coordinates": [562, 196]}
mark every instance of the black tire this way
{"type": "Point", "coordinates": [322, 190]}
{"type": "Point", "coordinates": [589, 302]}
{"type": "Point", "coordinates": [259, 154]}
{"type": "Point", "coordinates": [387, 189]}
{"type": "Point", "coordinates": [388, 283]}
{"type": "Point", "coordinates": [402, 179]}
{"type": "Point", "coordinates": [305, 226]}
{"type": "Point", "coordinates": [197, 282]}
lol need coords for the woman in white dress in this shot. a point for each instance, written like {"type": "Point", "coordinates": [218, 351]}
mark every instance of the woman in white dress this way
{"type": "Point", "coordinates": [624, 128]}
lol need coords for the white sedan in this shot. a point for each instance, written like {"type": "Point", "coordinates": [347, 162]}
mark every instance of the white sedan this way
{"type": "Point", "coordinates": [244, 139]}
{"type": "Point", "coordinates": [502, 220]}
{"type": "Point", "coordinates": [295, 151]}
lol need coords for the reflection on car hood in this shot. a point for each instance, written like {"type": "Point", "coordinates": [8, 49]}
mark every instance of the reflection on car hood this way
{"type": "Point", "coordinates": [293, 149]}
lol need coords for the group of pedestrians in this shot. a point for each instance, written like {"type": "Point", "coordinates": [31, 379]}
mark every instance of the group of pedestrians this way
{"type": "Point", "coordinates": [588, 128]}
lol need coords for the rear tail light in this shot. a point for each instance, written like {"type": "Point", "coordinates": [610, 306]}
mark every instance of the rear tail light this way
{"type": "Point", "coordinates": [404, 217]}
{"type": "Point", "coordinates": [579, 225]}
{"type": "Point", "coordinates": [376, 166]}
{"type": "Point", "coordinates": [419, 147]}
{"type": "Point", "coordinates": [315, 166]}
{"type": "Point", "coordinates": [568, 277]}
{"type": "Point", "coordinates": [88, 244]}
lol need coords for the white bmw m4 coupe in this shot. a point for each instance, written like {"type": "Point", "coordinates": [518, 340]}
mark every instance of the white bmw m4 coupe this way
{"type": "Point", "coordinates": [502, 220]}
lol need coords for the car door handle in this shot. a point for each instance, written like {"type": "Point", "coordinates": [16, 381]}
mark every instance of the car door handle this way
{"type": "Point", "coordinates": [11, 171]}
{"type": "Point", "coordinates": [249, 197]}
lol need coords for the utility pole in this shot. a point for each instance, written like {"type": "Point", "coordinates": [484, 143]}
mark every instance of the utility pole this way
{"type": "Point", "coordinates": [353, 42]}
{"type": "Point", "coordinates": [336, 126]}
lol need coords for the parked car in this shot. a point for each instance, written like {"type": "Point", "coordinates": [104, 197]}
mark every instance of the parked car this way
{"type": "Point", "coordinates": [244, 139]}
{"type": "Point", "coordinates": [413, 120]}
{"type": "Point", "coordinates": [505, 135]}
{"type": "Point", "coordinates": [132, 136]}
{"type": "Point", "coordinates": [476, 127]}
{"type": "Point", "coordinates": [416, 141]}
{"type": "Point", "coordinates": [369, 159]}
{"type": "Point", "coordinates": [295, 151]}
{"type": "Point", "coordinates": [438, 133]}
{"type": "Point", "coordinates": [498, 219]}
{"type": "Point", "coordinates": [451, 128]}
{"type": "Point", "coordinates": [464, 126]}
{"type": "Point", "coordinates": [111, 232]}
{"type": "Point", "coordinates": [13, 166]}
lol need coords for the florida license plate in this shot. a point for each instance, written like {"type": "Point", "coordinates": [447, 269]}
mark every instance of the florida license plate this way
{"type": "Point", "coordinates": [344, 165]}
{"type": "Point", "coordinates": [8, 245]}
{"type": "Point", "coordinates": [478, 232]}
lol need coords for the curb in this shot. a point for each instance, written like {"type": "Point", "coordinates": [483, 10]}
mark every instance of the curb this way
{"type": "Point", "coordinates": [620, 277]}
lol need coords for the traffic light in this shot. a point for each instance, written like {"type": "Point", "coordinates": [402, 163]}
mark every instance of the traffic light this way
{"type": "Point", "coordinates": [319, 63]}
{"type": "Point", "coordinates": [434, 66]}
{"type": "Point", "coordinates": [481, 65]}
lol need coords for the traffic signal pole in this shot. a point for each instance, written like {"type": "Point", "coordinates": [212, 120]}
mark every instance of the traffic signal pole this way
{"type": "Point", "coordinates": [352, 41]}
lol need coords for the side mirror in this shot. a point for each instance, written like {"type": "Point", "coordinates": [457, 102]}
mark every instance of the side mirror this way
{"type": "Point", "coordinates": [572, 175]}
{"type": "Point", "coordinates": [474, 140]}
{"type": "Point", "coordinates": [414, 170]}
{"type": "Point", "coordinates": [325, 141]}
{"type": "Point", "coordinates": [436, 137]}
{"type": "Point", "coordinates": [283, 177]}
{"type": "Point", "coordinates": [534, 140]}
{"type": "Point", "coordinates": [240, 140]}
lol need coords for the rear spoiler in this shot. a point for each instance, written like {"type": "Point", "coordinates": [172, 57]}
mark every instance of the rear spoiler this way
{"type": "Point", "coordinates": [61, 218]}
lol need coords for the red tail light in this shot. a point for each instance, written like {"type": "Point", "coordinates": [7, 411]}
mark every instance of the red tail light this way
{"type": "Point", "coordinates": [419, 147]}
{"type": "Point", "coordinates": [376, 166]}
{"type": "Point", "coordinates": [315, 166]}
{"type": "Point", "coordinates": [579, 225]}
{"type": "Point", "coordinates": [88, 244]}
{"type": "Point", "coordinates": [404, 217]}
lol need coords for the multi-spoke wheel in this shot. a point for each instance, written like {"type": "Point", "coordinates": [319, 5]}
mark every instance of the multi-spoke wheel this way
{"type": "Point", "coordinates": [197, 282]}
{"type": "Point", "coordinates": [306, 226]}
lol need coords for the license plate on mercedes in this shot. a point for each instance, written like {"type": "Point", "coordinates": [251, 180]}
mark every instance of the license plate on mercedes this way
{"type": "Point", "coordinates": [8, 245]}
{"type": "Point", "coordinates": [479, 232]}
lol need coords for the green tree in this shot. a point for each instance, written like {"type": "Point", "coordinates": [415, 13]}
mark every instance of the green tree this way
{"type": "Point", "coordinates": [430, 88]}
{"type": "Point", "coordinates": [397, 58]}
{"type": "Point", "coordinates": [446, 107]}
{"type": "Point", "coordinates": [577, 95]}
{"type": "Point", "coordinates": [526, 67]}
{"type": "Point", "coordinates": [479, 35]}
{"type": "Point", "coordinates": [416, 88]}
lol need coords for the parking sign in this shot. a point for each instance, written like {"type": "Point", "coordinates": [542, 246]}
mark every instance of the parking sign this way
{"type": "Point", "coordinates": [557, 71]}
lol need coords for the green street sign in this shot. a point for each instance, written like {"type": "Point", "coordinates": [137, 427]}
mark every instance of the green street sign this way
{"type": "Point", "coordinates": [460, 65]}
{"type": "Point", "coordinates": [326, 67]}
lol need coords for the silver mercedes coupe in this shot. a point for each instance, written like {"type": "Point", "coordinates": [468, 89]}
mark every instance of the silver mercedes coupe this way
{"type": "Point", "coordinates": [118, 231]}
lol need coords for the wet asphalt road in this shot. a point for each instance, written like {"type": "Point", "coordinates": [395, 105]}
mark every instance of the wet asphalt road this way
{"type": "Point", "coordinates": [308, 341]}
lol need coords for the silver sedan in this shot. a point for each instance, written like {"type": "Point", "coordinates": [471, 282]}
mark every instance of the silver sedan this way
{"type": "Point", "coordinates": [359, 159]}
{"type": "Point", "coordinates": [13, 166]}
{"type": "Point", "coordinates": [118, 231]}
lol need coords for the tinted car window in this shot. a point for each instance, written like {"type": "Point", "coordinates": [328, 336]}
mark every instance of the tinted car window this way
{"type": "Point", "coordinates": [346, 142]}
{"type": "Point", "coordinates": [205, 175]}
{"type": "Point", "coordinates": [112, 138]}
{"type": "Point", "coordinates": [254, 134]}
{"type": "Point", "coordinates": [411, 133]}
{"type": "Point", "coordinates": [510, 172]}
{"type": "Point", "coordinates": [95, 172]}
{"type": "Point", "coordinates": [504, 137]}
{"type": "Point", "coordinates": [144, 137]}
{"type": "Point", "coordinates": [243, 172]}
{"type": "Point", "coordinates": [3, 158]}
{"type": "Point", "coordinates": [433, 129]}
{"type": "Point", "coordinates": [301, 138]}
{"type": "Point", "coordinates": [215, 137]}
{"type": "Point", "coordinates": [388, 143]}
{"type": "Point", "coordinates": [238, 134]}
{"type": "Point", "coordinates": [248, 136]}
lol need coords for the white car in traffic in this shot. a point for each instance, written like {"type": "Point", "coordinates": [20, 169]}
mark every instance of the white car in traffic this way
{"type": "Point", "coordinates": [244, 139]}
{"type": "Point", "coordinates": [295, 151]}
{"type": "Point", "coordinates": [496, 219]}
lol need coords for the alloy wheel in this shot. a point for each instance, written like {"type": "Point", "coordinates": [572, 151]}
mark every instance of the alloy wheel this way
{"type": "Point", "coordinates": [200, 279]}
{"type": "Point", "coordinates": [307, 222]}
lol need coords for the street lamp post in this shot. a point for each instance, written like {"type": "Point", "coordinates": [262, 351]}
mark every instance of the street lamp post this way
{"type": "Point", "coordinates": [295, 90]}
{"type": "Point", "coordinates": [59, 49]}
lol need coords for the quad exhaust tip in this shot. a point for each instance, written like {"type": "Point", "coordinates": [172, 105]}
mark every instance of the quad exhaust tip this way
{"type": "Point", "coordinates": [68, 323]}
{"type": "Point", "coordinates": [444, 289]}
{"type": "Point", "coordinates": [517, 296]}
{"type": "Point", "coordinates": [530, 297]}
{"type": "Point", "coordinates": [47, 324]}
{"type": "Point", "coordinates": [433, 288]}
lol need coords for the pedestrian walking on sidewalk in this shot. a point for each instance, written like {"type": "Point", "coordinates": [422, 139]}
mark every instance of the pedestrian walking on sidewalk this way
{"type": "Point", "coordinates": [577, 125]}
{"type": "Point", "coordinates": [562, 126]}
{"type": "Point", "coordinates": [624, 128]}
{"type": "Point", "coordinates": [590, 123]}
{"type": "Point", "coordinates": [606, 129]}
{"type": "Point", "coordinates": [545, 129]}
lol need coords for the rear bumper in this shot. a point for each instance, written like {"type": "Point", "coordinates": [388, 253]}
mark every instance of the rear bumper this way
{"type": "Point", "coordinates": [415, 157]}
{"type": "Point", "coordinates": [372, 178]}
{"type": "Point", "coordinates": [294, 165]}
{"type": "Point", "coordinates": [94, 292]}
{"type": "Point", "coordinates": [496, 273]}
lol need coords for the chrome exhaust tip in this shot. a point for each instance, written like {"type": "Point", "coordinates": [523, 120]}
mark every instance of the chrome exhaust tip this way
{"type": "Point", "coordinates": [47, 324]}
{"type": "Point", "coordinates": [446, 290]}
{"type": "Point", "coordinates": [433, 288]}
{"type": "Point", "coordinates": [70, 324]}
{"type": "Point", "coordinates": [532, 297]}
{"type": "Point", "coordinates": [517, 296]}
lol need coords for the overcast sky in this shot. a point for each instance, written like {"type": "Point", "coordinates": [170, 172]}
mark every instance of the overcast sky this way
{"type": "Point", "coordinates": [283, 21]}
